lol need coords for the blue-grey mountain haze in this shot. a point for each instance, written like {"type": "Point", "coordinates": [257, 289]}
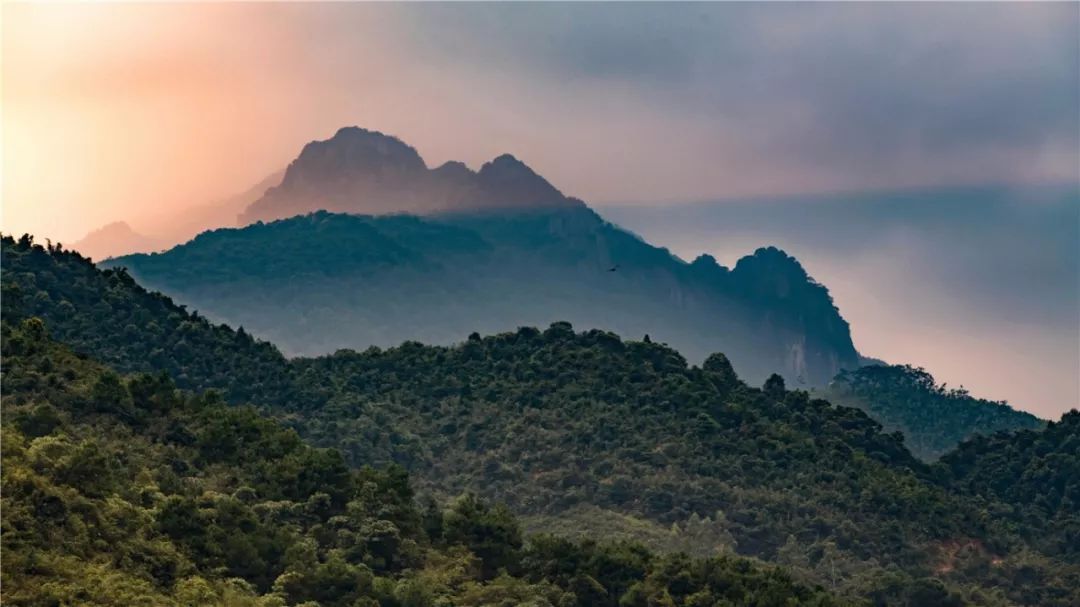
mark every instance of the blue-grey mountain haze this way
{"type": "Point", "coordinates": [979, 285]}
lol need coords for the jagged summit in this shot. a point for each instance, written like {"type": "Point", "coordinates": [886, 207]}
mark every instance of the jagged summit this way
{"type": "Point", "coordinates": [507, 179]}
{"type": "Point", "coordinates": [454, 167]}
{"type": "Point", "coordinates": [369, 172]}
{"type": "Point", "coordinates": [505, 162]}
{"type": "Point", "coordinates": [774, 272]}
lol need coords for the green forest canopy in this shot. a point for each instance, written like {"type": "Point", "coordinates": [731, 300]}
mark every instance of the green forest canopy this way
{"type": "Point", "coordinates": [933, 418]}
{"type": "Point", "coordinates": [125, 491]}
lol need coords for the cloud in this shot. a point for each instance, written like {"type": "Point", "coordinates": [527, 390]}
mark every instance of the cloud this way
{"type": "Point", "coordinates": [864, 94]}
{"type": "Point", "coordinates": [110, 105]}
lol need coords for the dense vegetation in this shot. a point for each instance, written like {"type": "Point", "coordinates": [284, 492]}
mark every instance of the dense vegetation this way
{"type": "Point", "coordinates": [126, 491]}
{"type": "Point", "coordinates": [590, 435]}
{"type": "Point", "coordinates": [588, 432]}
{"type": "Point", "coordinates": [933, 418]}
{"type": "Point", "coordinates": [108, 315]}
{"type": "Point", "coordinates": [320, 282]}
{"type": "Point", "coordinates": [1031, 478]}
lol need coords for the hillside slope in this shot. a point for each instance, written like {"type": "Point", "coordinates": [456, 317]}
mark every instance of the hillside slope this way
{"type": "Point", "coordinates": [107, 315]}
{"type": "Point", "coordinates": [586, 431]}
{"type": "Point", "coordinates": [933, 419]}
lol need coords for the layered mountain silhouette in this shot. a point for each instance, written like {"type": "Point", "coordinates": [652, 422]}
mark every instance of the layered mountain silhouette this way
{"type": "Point", "coordinates": [583, 434]}
{"type": "Point", "coordinates": [362, 171]}
{"type": "Point", "coordinates": [116, 238]}
{"type": "Point", "coordinates": [487, 251]}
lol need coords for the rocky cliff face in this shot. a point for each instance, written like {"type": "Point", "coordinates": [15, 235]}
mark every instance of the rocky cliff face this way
{"type": "Point", "coordinates": [368, 172]}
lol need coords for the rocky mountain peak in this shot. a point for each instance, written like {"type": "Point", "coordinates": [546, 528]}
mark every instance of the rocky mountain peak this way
{"type": "Point", "coordinates": [352, 154]}
{"type": "Point", "coordinates": [508, 181]}
{"type": "Point", "coordinates": [368, 172]}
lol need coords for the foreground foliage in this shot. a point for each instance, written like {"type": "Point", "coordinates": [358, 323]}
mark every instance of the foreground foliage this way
{"type": "Point", "coordinates": [126, 491]}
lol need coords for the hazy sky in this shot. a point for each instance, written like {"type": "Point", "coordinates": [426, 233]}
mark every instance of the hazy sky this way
{"type": "Point", "coordinates": [118, 111]}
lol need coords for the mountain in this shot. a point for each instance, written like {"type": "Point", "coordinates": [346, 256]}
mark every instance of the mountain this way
{"type": "Point", "coordinates": [495, 249]}
{"type": "Point", "coordinates": [908, 266]}
{"type": "Point", "coordinates": [125, 491]}
{"type": "Point", "coordinates": [589, 435]}
{"type": "Point", "coordinates": [320, 282]}
{"type": "Point", "coordinates": [933, 419]}
{"type": "Point", "coordinates": [114, 239]}
{"type": "Point", "coordinates": [367, 172]}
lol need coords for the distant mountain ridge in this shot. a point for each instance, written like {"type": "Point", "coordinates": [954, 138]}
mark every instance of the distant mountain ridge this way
{"type": "Point", "coordinates": [368, 172]}
{"type": "Point", "coordinates": [328, 261]}
{"type": "Point", "coordinates": [116, 238]}
{"type": "Point", "coordinates": [321, 282]}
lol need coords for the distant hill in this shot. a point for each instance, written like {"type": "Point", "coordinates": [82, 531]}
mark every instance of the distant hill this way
{"type": "Point", "coordinates": [317, 283]}
{"type": "Point", "coordinates": [173, 228]}
{"type": "Point", "coordinates": [934, 419]}
{"type": "Point", "coordinates": [114, 239]}
{"type": "Point", "coordinates": [367, 172]}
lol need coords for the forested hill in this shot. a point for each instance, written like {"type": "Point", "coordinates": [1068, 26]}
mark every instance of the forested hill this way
{"type": "Point", "coordinates": [106, 314]}
{"type": "Point", "coordinates": [321, 282]}
{"type": "Point", "coordinates": [1035, 474]}
{"type": "Point", "coordinates": [125, 491]}
{"type": "Point", "coordinates": [588, 434]}
{"type": "Point", "coordinates": [583, 431]}
{"type": "Point", "coordinates": [933, 419]}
